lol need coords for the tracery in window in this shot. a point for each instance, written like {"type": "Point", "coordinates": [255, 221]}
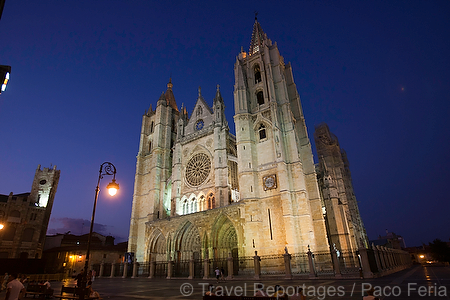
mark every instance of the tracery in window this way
{"type": "Point", "coordinates": [198, 169]}
{"type": "Point", "coordinates": [211, 201]}
{"type": "Point", "coordinates": [262, 132]}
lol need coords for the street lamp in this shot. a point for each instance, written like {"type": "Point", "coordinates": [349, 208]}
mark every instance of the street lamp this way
{"type": "Point", "coordinates": [106, 168]}
{"type": "Point", "coordinates": [4, 76]}
{"type": "Point", "coordinates": [1, 226]}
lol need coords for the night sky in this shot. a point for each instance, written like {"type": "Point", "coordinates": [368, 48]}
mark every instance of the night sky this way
{"type": "Point", "coordinates": [84, 72]}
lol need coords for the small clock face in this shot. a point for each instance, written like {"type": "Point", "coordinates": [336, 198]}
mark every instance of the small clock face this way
{"type": "Point", "coordinates": [199, 125]}
{"type": "Point", "coordinates": [270, 182]}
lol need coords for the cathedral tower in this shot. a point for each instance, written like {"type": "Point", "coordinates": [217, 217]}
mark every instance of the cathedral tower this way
{"type": "Point", "coordinates": [344, 225]}
{"type": "Point", "coordinates": [153, 167]}
{"type": "Point", "coordinates": [26, 216]}
{"type": "Point", "coordinates": [275, 164]}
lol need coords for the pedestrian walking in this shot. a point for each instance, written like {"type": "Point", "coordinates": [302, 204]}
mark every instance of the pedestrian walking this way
{"type": "Point", "coordinates": [217, 271]}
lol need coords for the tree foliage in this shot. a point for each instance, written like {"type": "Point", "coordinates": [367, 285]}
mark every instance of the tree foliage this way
{"type": "Point", "coordinates": [440, 250]}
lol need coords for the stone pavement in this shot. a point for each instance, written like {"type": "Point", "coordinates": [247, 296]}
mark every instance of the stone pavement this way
{"type": "Point", "coordinates": [418, 282]}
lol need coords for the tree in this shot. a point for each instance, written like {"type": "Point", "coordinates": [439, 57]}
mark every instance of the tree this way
{"type": "Point", "coordinates": [440, 250]}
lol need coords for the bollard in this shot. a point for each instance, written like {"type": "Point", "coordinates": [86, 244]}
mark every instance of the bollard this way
{"type": "Point", "coordinates": [135, 268]}
{"type": "Point", "coordinates": [257, 263]}
{"type": "Point", "coordinates": [170, 269]}
{"type": "Point", "coordinates": [230, 266]}
{"type": "Point", "coordinates": [125, 270]}
{"type": "Point", "coordinates": [113, 270]}
{"type": "Point", "coordinates": [191, 267]}
{"type": "Point", "coordinates": [287, 264]}
{"type": "Point", "coordinates": [377, 258]}
{"type": "Point", "coordinates": [152, 269]}
{"type": "Point", "coordinates": [206, 267]}
{"type": "Point", "coordinates": [102, 266]}
{"type": "Point", "coordinates": [367, 273]}
{"type": "Point", "coordinates": [337, 267]}
{"type": "Point", "coordinates": [312, 271]}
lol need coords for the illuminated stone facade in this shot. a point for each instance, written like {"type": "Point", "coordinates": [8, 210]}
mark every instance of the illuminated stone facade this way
{"type": "Point", "coordinates": [203, 192]}
{"type": "Point", "coordinates": [25, 216]}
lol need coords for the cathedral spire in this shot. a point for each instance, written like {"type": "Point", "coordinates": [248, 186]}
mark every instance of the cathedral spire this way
{"type": "Point", "coordinates": [258, 37]}
{"type": "Point", "coordinates": [218, 95]}
{"type": "Point", "coordinates": [170, 98]}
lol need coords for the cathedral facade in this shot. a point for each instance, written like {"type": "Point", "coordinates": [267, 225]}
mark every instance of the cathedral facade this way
{"type": "Point", "coordinates": [202, 192]}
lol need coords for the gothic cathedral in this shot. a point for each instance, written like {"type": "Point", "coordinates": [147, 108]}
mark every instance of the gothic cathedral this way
{"type": "Point", "coordinates": [201, 192]}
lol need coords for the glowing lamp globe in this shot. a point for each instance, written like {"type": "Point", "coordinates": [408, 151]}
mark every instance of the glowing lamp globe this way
{"type": "Point", "coordinates": [113, 187]}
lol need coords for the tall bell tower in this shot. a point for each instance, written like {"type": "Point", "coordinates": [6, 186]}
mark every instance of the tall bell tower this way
{"type": "Point", "coordinates": [151, 198]}
{"type": "Point", "coordinates": [275, 162]}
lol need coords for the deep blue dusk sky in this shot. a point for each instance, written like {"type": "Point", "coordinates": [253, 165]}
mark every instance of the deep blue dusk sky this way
{"type": "Point", "coordinates": [84, 72]}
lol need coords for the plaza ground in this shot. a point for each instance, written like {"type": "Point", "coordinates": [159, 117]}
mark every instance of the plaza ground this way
{"type": "Point", "coordinates": [418, 282]}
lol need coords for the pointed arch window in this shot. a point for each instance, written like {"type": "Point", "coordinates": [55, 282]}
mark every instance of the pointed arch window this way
{"type": "Point", "coordinates": [262, 132]}
{"type": "Point", "coordinates": [150, 146]}
{"type": "Point", "coordinates": [257, 74]}
{"type": "Point", "coordinates": [211, 201]}
{"type": "Point", "coordinates": [151, 127]}
{"type": "Point", "coordinates": [260, 97]}
{"type": "Point", "coordinates": [202, 203]}
{"type": "Point", "coordinates": [185, 207]}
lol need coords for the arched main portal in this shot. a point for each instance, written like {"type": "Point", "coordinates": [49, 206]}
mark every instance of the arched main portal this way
{"type": "Point", "coordinates": [186, 243]}
{"type": "Point", "coordinates": [224, 241]}
{"type": "Point", "coordinates": [224, 238]}
{"type": "Point", "coordinates": [157, 246]}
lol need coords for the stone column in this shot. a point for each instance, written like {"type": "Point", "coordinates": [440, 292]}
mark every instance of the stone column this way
{"type": "Point", "coordinates": [206, 267]}
{"type": "Point", "coordinates": [230, 266]}
{"type": "Point", "coordinates": [169, 269]}
{"type": "Point", "coordinates": [125, 270]}
{"type": "Point", "coordinates": [287, 264]}
{"type": "Point", "coordinates": [152, 269]}
{"type": "Point", "coordinates": [312, 271]}
{"type": "Point", "coordinates": [257, 262]}
{"type": "Point", "coordinates": [365, 263]}
{"type": "Point", "coordinates": [113, 270]}
{"type": "Point", "coordinates": [135, 269]}
{"type": "Point", "coordinates": [100, 273]}
{"type": "Point", "coordinates": [337, 267]}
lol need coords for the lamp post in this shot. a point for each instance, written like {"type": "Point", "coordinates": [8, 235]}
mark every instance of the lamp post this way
{"type": "Point", "coordinates": [106, 168]}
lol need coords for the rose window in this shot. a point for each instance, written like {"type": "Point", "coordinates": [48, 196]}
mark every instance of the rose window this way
{"type": "Point", "coordinates": [197, 169]}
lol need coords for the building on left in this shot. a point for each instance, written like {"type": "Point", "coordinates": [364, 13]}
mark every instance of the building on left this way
{"type": "Point", "coordinates": [25, 216]}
